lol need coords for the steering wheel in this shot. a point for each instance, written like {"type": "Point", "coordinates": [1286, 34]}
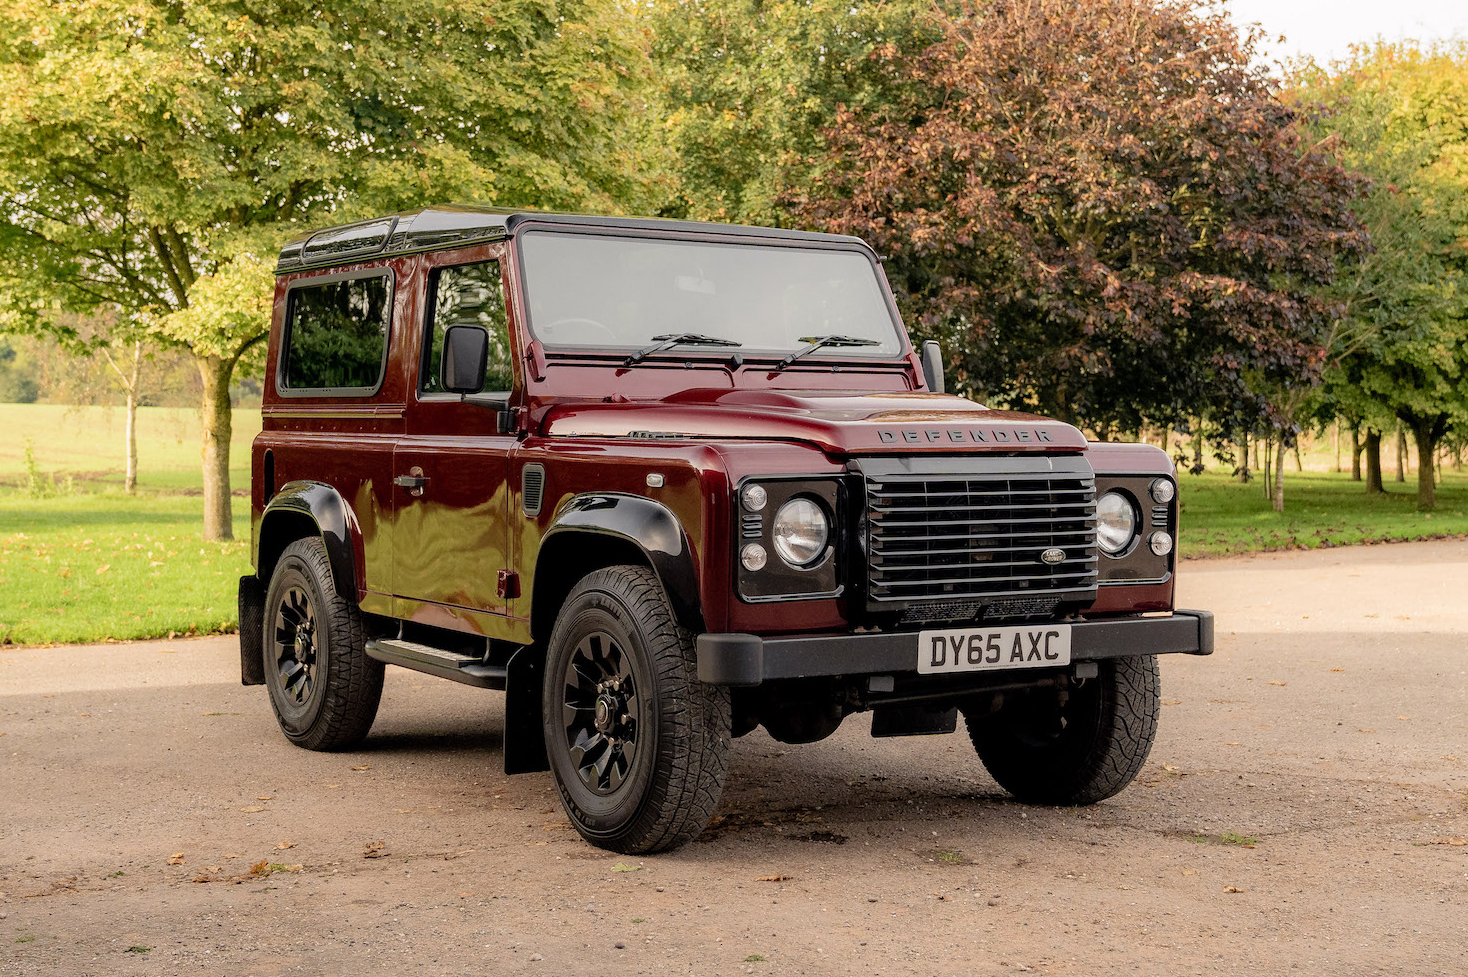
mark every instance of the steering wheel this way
{"type": "Point", "coordinates": [600, 327]}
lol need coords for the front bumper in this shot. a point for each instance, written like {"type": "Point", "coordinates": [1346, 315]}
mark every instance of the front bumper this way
{"type": "Point", "coordinates": [748, 660]}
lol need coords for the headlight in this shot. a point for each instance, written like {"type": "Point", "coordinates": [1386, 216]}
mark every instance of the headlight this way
{"type": "Point", "coordinates": [800, 532]}
{"type": "Point", "coordinates": [1116, 522]}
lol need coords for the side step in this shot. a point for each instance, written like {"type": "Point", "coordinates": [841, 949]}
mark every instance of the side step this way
{"type": "Point", "coordinates": [435, 661]}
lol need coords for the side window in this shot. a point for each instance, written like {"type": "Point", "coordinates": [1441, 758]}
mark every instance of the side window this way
{"type": "Point", "coordinates": [336, 335]}
{"type": "Point", "coordinates": [468, 295]}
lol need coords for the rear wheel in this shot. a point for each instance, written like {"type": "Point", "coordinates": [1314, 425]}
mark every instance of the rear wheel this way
{"type": "Point", "coordinates": [323, 687]}
{"type": "Point", "coordinates": [638, 745]}
{"type": "Point", "coordinates": [1079, 746]}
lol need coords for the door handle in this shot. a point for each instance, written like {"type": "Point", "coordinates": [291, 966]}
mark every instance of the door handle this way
{"type": "Point", "coordinates": [413, 482]}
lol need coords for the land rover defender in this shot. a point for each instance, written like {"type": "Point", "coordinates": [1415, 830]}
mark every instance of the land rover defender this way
{"type": "Point", "coordinates": [665, 482]}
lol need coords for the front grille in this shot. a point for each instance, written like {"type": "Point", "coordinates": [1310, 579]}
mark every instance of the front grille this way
{"type": "Point", "coordinates": [941, 536]}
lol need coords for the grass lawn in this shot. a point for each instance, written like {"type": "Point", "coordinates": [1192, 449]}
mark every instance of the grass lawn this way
{"type": "Point", "coordinates": [91, 563]}
{"type": "Point", "coordinates": [1221, 516]}
{"type": "Point", "coordinates": [96, 565]}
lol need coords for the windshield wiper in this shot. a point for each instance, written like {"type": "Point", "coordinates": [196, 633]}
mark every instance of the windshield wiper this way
{"type": "Point", "coordinates": [816, 342]}
{"type": "Point", "coordinates": [679, 339]}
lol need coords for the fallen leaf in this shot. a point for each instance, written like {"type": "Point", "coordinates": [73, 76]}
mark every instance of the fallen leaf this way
{"type": "Point", "coordinates": [252, 809]}
{"type": "Point", "coordinates": [1404, 717]}
{"type": "Point", "coordinates": [284, 845]}
{"type": "Point", "coordinates": [1279, 683]}
{"type": "Point", "coordinates": [1232, 888]}
{"type": "Point", "coordinates": [365, 766]}
{"type": "Point", "coordinates": [104, 568]}
{"type": "Point", "coordinates": [201, 877]}
{"type": "Point", "coordinates": [773, 878]}
{"type": "Point", "coordinates": [1172, 702]}
{"type": "Point", "coordinates": [271, 798]}
{"type": "Point", "coordinates": [176, 858]}
{"type": "Point", "coordinates": [1337, 669]}
{"type": "Point", "coordinates": [1233, 744]}
{"type": "Point", "coordinates": [1450, 841]}
{"type": "Point", "coordinates": [375, 849]}
{"type": "Point", "coordinates": [262, 867]}
{"type": "Point", "coordinates": [623, 867]}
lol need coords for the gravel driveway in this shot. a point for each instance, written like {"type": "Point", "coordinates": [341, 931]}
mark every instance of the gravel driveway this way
{"type": "Point", "coordinates": [1304, 810]}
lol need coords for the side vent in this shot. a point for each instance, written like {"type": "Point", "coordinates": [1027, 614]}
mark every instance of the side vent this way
{"type": "Point", "coordinates": [532, 489]}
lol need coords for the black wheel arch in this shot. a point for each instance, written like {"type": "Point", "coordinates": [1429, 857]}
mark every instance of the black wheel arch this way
{"type": "Point", "coordinates": [602, 529]}
{"type": "Point", "coordinates": [305, 508]}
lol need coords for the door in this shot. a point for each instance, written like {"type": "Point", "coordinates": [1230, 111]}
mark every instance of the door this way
{"type": "Point", "coordinates": [451, 497]}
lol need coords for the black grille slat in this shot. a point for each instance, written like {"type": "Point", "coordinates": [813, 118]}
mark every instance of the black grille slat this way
{"type": "Point", "coordinates": [942, 537]}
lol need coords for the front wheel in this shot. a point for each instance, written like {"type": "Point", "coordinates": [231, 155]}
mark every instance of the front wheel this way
{"type": "Point", "coordinates": [1078, 745]}
{"type": "Point", "coordinates": [638, 745]}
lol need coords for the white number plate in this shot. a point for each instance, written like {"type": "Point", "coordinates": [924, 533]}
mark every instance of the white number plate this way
{"type": "Point", "coordinates": [985, 649]}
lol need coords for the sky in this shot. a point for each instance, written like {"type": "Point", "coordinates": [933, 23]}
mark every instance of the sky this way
{"type": "Point", "coordinates": [1325, 29]}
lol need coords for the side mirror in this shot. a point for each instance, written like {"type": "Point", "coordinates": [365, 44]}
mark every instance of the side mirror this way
{"type": "Point", "coordinates": [465, 356]}
{"type": "Point", "coordinates": [933, 366]}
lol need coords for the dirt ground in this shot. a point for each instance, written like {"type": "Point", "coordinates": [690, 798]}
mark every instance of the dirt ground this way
{"type": "Point", "coordinates": [1303, 811]}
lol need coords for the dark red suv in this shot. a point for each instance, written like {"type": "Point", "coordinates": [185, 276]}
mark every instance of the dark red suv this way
{"type": "Point", "coordinates": [665, 482]}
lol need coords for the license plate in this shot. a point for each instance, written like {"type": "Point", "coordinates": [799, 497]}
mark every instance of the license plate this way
{"type": "Point", "coordinates": [993, 649]}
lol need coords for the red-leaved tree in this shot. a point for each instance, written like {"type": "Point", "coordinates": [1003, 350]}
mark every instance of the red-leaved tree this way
{"type": "Point", "coordinates": [1104, 209]}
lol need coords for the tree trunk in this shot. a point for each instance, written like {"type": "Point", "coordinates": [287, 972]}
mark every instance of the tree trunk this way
{"type": "Point", "coordinates": [130, 478]}
{"type": "Point", "coordinates": [1198, 448]}
{"type": "Point", "coordinates": [1279, 459]}
{"type": "Point", "coordinates": [1300, 465]}
{"type": "Point", "coordinates": [215, 372]}
{"type": "Point", "coordinates": [1355, 452]}
{"type": "Point", "coordinates": [1243, 473]}
{"type": "Point", "coordinates": [1401, 453]}
{"type": "Point", "coordinates": [1268, 467]}
{"type": "Point", "coordinates": [1373, 462]}
{"type": "Point", "coordinates": [1337, 439]}
{"type": "Point", "coordinates": [1425, 436]}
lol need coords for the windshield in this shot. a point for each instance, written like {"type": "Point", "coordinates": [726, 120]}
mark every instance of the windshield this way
{"type": "Point", "coordinates": [595, 291]}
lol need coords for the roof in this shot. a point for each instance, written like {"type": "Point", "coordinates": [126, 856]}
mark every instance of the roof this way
{"type": "Point", "coordinates": [456, 225]}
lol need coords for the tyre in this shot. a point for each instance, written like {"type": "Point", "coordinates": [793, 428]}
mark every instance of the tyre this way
{"type": "Point", "coordinates": [1079, 748]}
{"type": "Point", "coordinates": [639, 747]}
{"type": "Point", "coordinates": [323, 687]}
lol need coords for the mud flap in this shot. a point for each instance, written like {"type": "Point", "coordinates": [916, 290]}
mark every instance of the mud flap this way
{"type": "Point", "coordinates": [252, 631]}
{"type": "Point", "coordinates": [916, 720]}
{"type": "Point", "coordinates": [524, 735]}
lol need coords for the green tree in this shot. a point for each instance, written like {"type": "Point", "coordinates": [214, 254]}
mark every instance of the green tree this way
{"type": "Point", "coordinates": [1104, 209]}
{"type": "Point", "coordinates": [750, 87]}
{"type": "Point", "coordinates": [154, 155]}
{"type": "Point", "coordinates": [1401, 117]}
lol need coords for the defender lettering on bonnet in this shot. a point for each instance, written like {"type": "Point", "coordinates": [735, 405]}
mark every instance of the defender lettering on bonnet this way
{"type": "Point", "coordinates": [965, 435]}
{"type": "Point", "coordinates": [491, 451]}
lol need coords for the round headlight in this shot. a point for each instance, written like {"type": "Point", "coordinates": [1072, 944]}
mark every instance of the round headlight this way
{"type": "Point", "coordinates": [800, 532]}
{"type": "Point", "coordinates": [754, 497]}
{"type": "Point", "coordinates": [1116, 522]}
{"type": "Point", "coordinates": [753, 557]}
{"type": "Point", "coordinates": [1163, 490]}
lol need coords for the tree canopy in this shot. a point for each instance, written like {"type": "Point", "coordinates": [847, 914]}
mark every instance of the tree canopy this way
{"type": "Point", "coordinates": [1105, 209]}
{"type": "Point", "coordinates": [1401, 118]}
{"type": "Point", "coordinates": [155, 154]}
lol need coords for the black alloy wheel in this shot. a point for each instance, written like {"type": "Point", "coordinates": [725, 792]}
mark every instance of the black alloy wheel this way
{"type": "Point", "coordinates": [323, 687]}
{"type": "Point", "coordinates": [295, 651]}
{"type": "Point", "coordinates": [601, 712]}
{"type": "Point", "coordinates": [639, 747]}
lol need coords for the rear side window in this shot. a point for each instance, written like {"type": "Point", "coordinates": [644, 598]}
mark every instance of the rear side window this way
{"type": "Point", "coordinates": [468, 295]}
{"type": "Point", "coordinates": [336, 335]}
